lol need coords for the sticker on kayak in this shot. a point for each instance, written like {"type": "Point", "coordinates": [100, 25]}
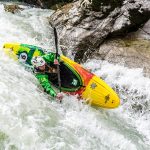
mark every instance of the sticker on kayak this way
{"type": "Point", "coordinates": [107, 98]}
{"type": "Point", "coordinates": [23, 57]}
{"type": "Point", "coordinates": [74, 82]}
{"type": "Point", "coordinates": [93, 86]}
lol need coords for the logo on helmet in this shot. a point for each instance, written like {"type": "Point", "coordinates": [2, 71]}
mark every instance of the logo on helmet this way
{"type": "Point", "coordinates": [38, 61]}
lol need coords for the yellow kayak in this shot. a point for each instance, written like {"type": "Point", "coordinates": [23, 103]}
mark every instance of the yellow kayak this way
{"type": "Point", "coordinates": [91, 87]}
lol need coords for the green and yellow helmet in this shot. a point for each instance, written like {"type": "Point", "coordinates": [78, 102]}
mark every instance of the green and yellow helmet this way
{"type": "Point", "coordinates": [37, 61]}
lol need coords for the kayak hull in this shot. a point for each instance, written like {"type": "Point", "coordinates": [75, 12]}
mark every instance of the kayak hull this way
{"type": "Point", "coordinates": [94, 90]}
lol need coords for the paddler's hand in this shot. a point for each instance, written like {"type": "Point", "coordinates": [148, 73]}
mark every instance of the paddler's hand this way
{"type": "Point", "coordinates": [59, 96]}
{"type": "Point", "coordinates": [56, 62]}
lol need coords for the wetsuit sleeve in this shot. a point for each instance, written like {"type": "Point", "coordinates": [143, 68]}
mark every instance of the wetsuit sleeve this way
{"type": "Point", "coordinates": [43, 79]}
{"type": "Point", "coordinates": [50, 57]}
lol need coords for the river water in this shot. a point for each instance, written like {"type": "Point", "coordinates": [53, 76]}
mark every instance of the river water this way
{"type": "Point", "coordinates": [30, 120]}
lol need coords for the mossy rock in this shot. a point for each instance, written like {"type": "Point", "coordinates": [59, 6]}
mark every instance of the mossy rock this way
{"type": "Point", "coordinates": [61, 6]}
{"type": "Point", "coordinates": [12, 8]}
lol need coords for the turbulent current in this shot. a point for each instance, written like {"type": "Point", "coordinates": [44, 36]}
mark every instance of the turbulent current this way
{"type": "Point", "coordinates": [30, 120]}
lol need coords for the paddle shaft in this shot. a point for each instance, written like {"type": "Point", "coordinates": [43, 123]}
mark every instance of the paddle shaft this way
{"type": "Point", "coordinates": [58, 68]}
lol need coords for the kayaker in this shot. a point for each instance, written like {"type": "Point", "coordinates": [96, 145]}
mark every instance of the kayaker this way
{"type": "Point", "coordinates": [45, 69]}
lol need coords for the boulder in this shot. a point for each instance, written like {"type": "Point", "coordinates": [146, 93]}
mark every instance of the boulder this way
{"type": "Point", "coordinates": [12, 8]}
{"type": "Point", "coordinates": [82, 28]}
{"type": "Point", "coordinates": [128, 51]}
{"type": "Point", "coordinates": [47, 3]}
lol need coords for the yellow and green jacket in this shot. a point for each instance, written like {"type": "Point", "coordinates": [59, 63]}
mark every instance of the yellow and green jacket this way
{"type": "Point", "coordinates": [43, 78]}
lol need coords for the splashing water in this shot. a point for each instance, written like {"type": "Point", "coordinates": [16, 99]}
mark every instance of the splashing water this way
{"type": "Point", "coordinates": [29, 119]}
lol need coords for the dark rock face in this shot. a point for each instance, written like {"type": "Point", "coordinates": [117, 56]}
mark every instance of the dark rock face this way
{"type": "Point", "coordinates": [46, 3]}
{"type": "Point", "coordinates": [133, 15]}
{"type": "Point", "coordinates": [105, 5]}
{"type": "Point", "coordinates": [143, 33]}
{"type": "Point", "coordinates": [84, 26]}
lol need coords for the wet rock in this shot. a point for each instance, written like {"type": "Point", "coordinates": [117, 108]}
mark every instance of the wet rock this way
{"type": "Point", "coordinates": [82, 28]}
{"type": "Point", "coordinates": [39, 3]}
{"type": "Point", "coordinates": [48, 3]}
{"type": "Point", "coordinates": [128, 51]}
{"type": "Point", "coordinates": [12, 8]}
{"type": "Point", "coordinates": [142, 33]}
{"type": "Point", "coordinates": [134, 14]}
{"type": "Point", "coordinates": [131, 51]}
{"type": "Point", "coordinates": [105, 5]}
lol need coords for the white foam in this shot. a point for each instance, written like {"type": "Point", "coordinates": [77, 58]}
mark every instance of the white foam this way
{"type": "Point", "coordinates": [30, 120]}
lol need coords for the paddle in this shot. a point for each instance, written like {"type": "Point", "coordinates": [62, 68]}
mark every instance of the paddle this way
{"type": "Point", "coordinates": [56, 46]}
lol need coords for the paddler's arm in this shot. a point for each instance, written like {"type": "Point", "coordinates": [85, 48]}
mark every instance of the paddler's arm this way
{"type": "Point", "coordinates": [43, 79]}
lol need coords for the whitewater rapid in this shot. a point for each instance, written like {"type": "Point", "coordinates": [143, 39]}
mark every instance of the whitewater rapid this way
{"type": "Point", "coordinates": [30, 120]}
